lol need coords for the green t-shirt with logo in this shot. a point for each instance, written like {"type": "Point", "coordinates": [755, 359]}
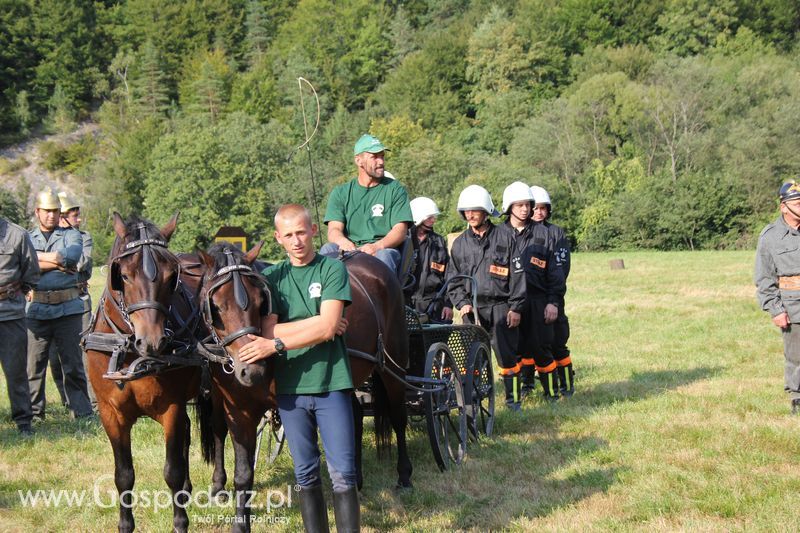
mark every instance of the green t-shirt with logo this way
{"type": "Point", "coordinates": [368, 213]}
{"type": "Point", "coordinates": [298, 293]}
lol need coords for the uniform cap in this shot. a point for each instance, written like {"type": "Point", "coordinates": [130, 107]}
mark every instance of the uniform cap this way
{"type": "Point", "coordinates": [476, 198]}
{"type": "Point", "coordinates": [516, 192]}
{"type": "Point", "coordinates": [540, 195]}
{"type": "Point", "coordinates": [789, 191]}
{"type": "Point", "coordinates": [67, 202]}
{"type": "Point", "coordinates": [422, 208]}
{"type": "Point", "coordinates": [47, 200]}
{"type": "Point", "coordinates": [368, 143]}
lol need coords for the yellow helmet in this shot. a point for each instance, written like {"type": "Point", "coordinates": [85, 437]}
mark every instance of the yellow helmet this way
{"type": "Point", "coordinates": [47, 200]}
{"type": "Point", "coordinates": [67, 202]}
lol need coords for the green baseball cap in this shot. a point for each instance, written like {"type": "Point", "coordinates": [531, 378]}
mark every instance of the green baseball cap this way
{"type": "Point", "coordinates": [368, 143]}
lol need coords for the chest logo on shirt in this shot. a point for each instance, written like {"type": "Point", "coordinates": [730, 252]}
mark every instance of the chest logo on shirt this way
{"type": "Point", "coordinates": [315, 290]}
{"type": "Point", "coordinates": [377, 210]}
{"type": "Point", "coordinates": [517, 263]}
{"type": "Point", "coordinates": [438, 267]}
{"type": "Point", "coordinates": [538, 262]}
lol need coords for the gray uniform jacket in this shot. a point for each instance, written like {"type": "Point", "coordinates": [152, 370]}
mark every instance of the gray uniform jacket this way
{"type": "Point", "coordinates": [777, 271]}
{"type": "Point", "coordinates": [84, 265]}
{"type": "Point", "coordinates": [489, 260]}
{"type": "Point", "coordinates": [18, 262]}
{"type": "Point", "coordinates": [70, 243]}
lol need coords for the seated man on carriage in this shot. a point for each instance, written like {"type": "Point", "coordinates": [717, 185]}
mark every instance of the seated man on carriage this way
{"type": "Point", "coordinates": [485, 252]}
{"type": "Point", "coordinates": [371, 212]}
{"type": "Point", "coordinates": [429, 262]}
{"type": "Point", "coordinates": [312, 369]}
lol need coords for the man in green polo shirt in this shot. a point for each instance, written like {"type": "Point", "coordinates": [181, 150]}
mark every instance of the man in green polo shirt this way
{"type": "Point", "coordinates": [371, 212]}
{"type": "Point", "coordinates": [312, 370]}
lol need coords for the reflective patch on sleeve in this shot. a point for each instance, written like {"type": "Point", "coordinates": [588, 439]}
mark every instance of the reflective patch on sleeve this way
{"type": "Point", "coordinates": [498, 271]}
{"type": "Point", "coordinates": [438, 267]}
{"type": "Point", "coordinates": [541, 263]}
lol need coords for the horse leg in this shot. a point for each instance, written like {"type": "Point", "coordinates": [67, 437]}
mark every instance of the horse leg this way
{"type": "Point", "coordinates": [220, 429]}
{"type": "Point", "coordinates": [187, 484]}
{"type": "Point", "coordinates": [119, 434]}
{"type": "Point", "coordinates": [358, 425]}
{"type": "Point", "coordinates": [175, 467]}
{"type": "Point", "coordinates": [398, 416]}
{"type": "Point", "coordinates": [244, 450]}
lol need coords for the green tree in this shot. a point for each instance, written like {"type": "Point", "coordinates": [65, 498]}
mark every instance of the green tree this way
{"type": "Point", "coordinates": [205, 88]}
{"type": "Point", "coordinates": [150, 89]}
{"type": "Point", "coordinates": [229, 173]}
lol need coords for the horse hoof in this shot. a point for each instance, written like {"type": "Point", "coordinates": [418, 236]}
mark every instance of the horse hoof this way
{"type": "Point", "coordinates": [219, 494]}
{"type": "Point", "coordinates": [403, 487]}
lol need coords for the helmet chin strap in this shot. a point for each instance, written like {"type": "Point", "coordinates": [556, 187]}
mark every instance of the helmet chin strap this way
{"type": "Point", "coordinates": [792, 211]}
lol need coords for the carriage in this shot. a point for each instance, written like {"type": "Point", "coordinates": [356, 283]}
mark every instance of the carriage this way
{"type": "Point", "coordinates": [449, 388]}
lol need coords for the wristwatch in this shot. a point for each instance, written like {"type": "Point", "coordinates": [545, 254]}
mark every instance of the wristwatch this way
{"type": "Point", "coordinates": [279, 346]}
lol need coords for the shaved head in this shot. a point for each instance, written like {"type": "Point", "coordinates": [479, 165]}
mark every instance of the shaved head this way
{"type": "Point", "coordinates": [290, 212]}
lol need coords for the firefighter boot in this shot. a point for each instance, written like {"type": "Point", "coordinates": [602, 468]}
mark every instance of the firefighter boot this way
{"type": "Point", "coordinates": [513, 399]}
{"type": "Point", "coordinates": [313, 510]}
{"type": "Point", "coordinates": [347, 511]}
{"type": "Point", "coordinates": [549, 382]}
{"type": "Point", "coordinates": [528, 376]}
{"type": "Point", "coordinates": [566, 380]}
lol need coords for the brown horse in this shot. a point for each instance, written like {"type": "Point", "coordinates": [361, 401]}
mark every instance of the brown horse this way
{"type": "Point", "coordinates": [131, 329]}
{"type": "Point", "coordinates": [246, 393]}
{"type": "Point", "coordinates": [234, 299]}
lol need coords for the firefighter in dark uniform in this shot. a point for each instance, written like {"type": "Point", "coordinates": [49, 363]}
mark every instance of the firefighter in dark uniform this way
{"type": "Point", "coordinates": [777, 279]}
{"type": "Point", "coordinates": [485, 252]}
{"type": "Point", "coordinates": [429, 263]}
{"type": "Point", "coordinates": [54, 309]}
{"type": "Point", "coordinates": [19, 272]}
{"type": "Point", "coordinates": [559, 245]}
{"type": "Point", "coordinates": [545, 287]}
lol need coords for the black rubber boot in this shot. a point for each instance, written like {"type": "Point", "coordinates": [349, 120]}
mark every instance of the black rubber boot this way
{"type": "Point", "coordinates": [347, 511]}
{"type": "Point", "coordinates": [549, 382]}
{"type": "Point", "coordinates": [513, 398]}
{"type": "Point", "coordinates": [528, 376]}
{"type": "Point", "coordinates": [313, 510]}
{"type": "Point", "coordinates": [566, 380]}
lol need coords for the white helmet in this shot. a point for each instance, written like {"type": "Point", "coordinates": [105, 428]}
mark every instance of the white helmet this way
{"type": "Point", "coordinates": [540, 195]}
{"type": "Point", "coordinates": [387, 174]}
{"type": "Point", "coordinates": [516, 192]}
{"type": "Point", "coordinates": [422, 208]}
{"type": "Point", "coordinates": [476, 198]}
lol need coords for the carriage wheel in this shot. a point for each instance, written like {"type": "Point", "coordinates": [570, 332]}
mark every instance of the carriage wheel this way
{"type": "Point", "coordinates": [479, 390]}
{"type": "Point", "coordinates": [271, 424]}
{"type": "Point", "coordinates": [445, 411]}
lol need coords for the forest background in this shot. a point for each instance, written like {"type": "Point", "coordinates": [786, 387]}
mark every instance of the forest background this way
{"type": "Point", "coordinates": [663, 125]}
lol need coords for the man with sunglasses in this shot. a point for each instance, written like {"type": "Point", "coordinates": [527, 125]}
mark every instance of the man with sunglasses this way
{"type": "Point", "coordinates": [777, 279]}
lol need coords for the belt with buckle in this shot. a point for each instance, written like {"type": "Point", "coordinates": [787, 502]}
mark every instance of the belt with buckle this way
{"type": "Point", "coordinates": [55, 297]}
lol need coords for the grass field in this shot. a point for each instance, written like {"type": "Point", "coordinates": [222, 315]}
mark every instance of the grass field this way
{"type": "Point", "coordinates": [679, 422]}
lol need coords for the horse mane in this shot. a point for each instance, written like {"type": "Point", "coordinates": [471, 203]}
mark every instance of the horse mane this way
{"type": "Point", "coordinates": [131, 234]}
{"type": "Point", "coordinates": [218, 252]}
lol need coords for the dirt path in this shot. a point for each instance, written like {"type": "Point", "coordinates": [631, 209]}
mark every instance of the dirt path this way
{"type": "Point", "coordinates": [34, 173]}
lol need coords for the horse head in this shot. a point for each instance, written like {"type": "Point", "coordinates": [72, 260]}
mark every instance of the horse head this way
{"type": "Point", "coordinates": [235, 299]}
{"type": "Point", "coordinates": [142, 280]}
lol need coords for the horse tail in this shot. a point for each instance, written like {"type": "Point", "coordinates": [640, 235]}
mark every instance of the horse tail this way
{"type": "Point", "coordinates": [204, 411]}
{"type": "Point", "coordinates": [381, 417]}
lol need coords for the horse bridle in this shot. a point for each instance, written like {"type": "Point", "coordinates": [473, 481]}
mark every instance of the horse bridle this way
{"type": "Point", "coordinates": [233, 272]}
{"type": "Point", "coordinates": [150, 269]}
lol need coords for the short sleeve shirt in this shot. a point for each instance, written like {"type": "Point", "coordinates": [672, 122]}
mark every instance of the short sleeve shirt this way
{"type": "Point", "coordinates": [368, 213]}
{"type": "Point", "coordinates": [298, 293]}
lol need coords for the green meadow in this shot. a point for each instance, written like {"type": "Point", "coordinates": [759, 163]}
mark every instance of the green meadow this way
{"type": "Point", "coordinates": [679, 422]}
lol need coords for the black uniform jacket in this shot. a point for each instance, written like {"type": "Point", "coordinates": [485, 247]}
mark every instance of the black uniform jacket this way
{"type": "Point", "coordinates": [489, 260]}
{"type": "Point", "coordinates": [429, 268]}
{"type": "Point", "coordinates": [544, 277]}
